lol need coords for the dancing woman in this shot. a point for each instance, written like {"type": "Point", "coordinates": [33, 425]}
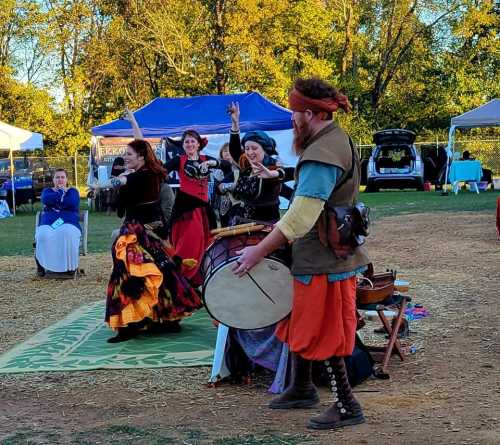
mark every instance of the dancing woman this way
{"type": "Point", "coordinates": [258, 183]}
{"type": "Point", "coordinates": [146, 288]}
{"type": "Point", "coordinates": [192, 216]}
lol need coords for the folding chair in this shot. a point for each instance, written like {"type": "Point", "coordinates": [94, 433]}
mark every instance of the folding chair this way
{"type": "Point", "coordinates": [397, 303]}
{"type": "Point", "coordinates": [84, 223]}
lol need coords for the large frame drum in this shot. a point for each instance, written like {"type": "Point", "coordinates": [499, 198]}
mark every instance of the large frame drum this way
{"type": "Point", "coordinates": [261, 298]}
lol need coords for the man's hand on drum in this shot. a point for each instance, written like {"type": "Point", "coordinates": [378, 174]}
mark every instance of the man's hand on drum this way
{"type": "Point", "coordinates": [249, 257]}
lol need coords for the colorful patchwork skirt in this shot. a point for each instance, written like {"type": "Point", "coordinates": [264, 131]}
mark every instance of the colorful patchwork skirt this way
{"type": "Point", "coordinates": [146, 282]}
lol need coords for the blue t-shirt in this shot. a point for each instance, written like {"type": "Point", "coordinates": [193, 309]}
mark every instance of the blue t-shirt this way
{"type": "Point", "coordinates": [317, 180]}
{"type": "Point", "coordinates": [60, 204]}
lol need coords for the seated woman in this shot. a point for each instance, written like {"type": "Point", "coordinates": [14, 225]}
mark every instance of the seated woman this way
{"type": "Point", "coordinates": [58, 235]}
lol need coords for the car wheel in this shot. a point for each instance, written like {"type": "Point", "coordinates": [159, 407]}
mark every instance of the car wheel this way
{"type": "Point", "coordinates": [420, 186]}
{"type": "Point", "coordinates": [371, 187]}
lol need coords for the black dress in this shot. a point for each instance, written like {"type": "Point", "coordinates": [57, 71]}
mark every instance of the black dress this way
{"type": "Point", "coordinates": [145, 283]}
{"type": "Point", "coordinates": [265, 206]}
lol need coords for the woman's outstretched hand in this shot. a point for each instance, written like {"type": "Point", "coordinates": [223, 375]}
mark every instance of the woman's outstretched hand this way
{"type": "Point", "coordinates": [127, 115]}
{"type": "Point", "coordinates": [262, 171]}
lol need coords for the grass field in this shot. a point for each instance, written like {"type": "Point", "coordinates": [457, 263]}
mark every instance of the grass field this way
{"type": "Point", "coordinates": [16, 234]}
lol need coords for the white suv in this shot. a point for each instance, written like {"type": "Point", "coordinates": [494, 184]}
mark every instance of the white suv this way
{"type": "Point", "coordinates": [394, 162]}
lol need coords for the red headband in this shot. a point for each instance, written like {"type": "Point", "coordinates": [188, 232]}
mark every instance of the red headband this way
{"type": "Point", "coordinates": [300, 103]}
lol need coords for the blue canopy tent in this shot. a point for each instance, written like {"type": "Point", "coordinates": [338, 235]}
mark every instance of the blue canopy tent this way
{"type": "Point", "coordinates": [164, 117]}
{"type": "Point", "coordinates": [170, 117]}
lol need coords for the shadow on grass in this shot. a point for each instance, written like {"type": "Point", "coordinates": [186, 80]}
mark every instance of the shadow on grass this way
{"type": "Point", "coordinates": [132, 435]}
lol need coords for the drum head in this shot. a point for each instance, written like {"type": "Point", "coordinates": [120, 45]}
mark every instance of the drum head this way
{"type": "Point", "coordinates": [259, 299]}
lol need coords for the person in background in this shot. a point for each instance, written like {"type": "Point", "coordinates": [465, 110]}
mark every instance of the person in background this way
{"type": "Point", "coordinates": [58, 235]}
{"type": "Point", "coordinates": [466, 156]}
{"type": "Point", "coordinates": [224, 200]}
{"type": "Point", "coordinates": [117, 169]}
{"type": "Point", "coordinates": [487, 174]}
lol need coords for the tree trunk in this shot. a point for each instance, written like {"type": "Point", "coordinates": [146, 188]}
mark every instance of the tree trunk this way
{"type": "Point", "coordinates": [346, 55]}
{"type": "Point", "coordinates": [218, 47]}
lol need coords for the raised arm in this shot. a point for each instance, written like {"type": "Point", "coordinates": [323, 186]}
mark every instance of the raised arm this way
{"type": "Point", "coordinates": [234, 138]}
{"type": "Point", "coordinates": [129, 116]}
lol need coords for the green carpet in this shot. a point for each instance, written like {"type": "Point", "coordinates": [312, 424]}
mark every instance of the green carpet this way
{"type": "Point", "coordinates": [78, 342]}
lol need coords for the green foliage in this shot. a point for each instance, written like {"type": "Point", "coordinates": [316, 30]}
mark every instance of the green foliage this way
{"type": "Point", "coordinates": [72, 64]}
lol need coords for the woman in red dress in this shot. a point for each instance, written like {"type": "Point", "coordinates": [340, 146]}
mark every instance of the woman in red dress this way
{"type": "Point", "coordinates": [192, 216]}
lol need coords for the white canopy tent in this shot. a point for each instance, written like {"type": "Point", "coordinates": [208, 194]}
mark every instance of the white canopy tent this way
{"type": "Point", "coordinates": [486, 115]}
{"type": "Point", "coordinates": [16, 139]}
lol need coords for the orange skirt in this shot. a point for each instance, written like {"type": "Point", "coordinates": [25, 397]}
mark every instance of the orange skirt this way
{"type": "Point", "coordinates": [322, 323]}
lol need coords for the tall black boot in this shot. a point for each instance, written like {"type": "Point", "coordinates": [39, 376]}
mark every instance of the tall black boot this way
{"type": "Point", "coordinates": [301, 393]}
{"type": "Point", "coordinates": [345, 409]}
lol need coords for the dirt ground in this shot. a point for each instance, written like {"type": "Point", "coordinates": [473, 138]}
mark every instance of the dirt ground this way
{"type": "Point", "coordinates": [446, 393]}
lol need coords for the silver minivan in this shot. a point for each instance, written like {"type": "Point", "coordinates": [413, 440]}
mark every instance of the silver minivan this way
{"type": "Point", "coordinates": [394, 162]}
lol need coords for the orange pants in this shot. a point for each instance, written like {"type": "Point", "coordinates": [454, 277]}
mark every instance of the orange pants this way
{"type": "Point", "coordinates": [322, 323]}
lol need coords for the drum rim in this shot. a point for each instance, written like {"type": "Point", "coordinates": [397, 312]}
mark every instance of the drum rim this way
{"type": "Point", "coordinates": [232, 260]}
{"type": "Point", "coordinates": [215, 241]}
{"type": "Point", "coordinates": [225, 263]}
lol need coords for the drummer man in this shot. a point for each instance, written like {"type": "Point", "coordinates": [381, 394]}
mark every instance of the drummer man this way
{"type": "Point", "coordinates": [322, 324]}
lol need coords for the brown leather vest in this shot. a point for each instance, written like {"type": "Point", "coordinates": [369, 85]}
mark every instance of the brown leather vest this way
{"type": "Point", "coordinates": [310, 257]}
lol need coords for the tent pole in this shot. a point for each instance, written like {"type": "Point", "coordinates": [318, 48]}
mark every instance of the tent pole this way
{"type": "Point", "coordinates": [11, 171]}
{"type": "Point", "coordinates": [449, 156]}
{"type": "Point", "coordinates": [75, 168]}
{"type": "Point", "coordinates": [11, 156]}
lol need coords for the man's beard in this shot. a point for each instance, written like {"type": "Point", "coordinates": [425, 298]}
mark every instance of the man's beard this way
{"type": "Point", "coordinates": [301, 134]}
